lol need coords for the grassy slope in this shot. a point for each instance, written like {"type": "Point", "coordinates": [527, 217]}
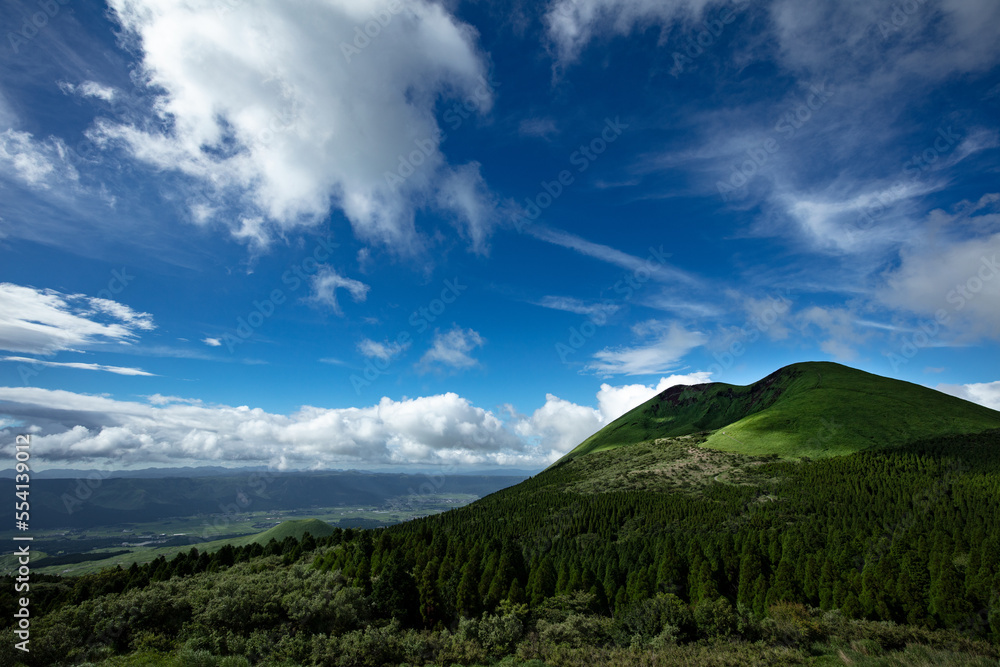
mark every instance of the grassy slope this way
{"type": "Point", "coordinates": [814, 409]}
{"type": "Point", "coordinates": [294, 527]}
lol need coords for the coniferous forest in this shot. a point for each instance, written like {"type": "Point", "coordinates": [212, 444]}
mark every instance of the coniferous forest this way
{"type": "Point", "coordinates": [652, 554]}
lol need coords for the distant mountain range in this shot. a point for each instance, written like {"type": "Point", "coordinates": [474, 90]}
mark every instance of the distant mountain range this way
{"type": "Point", "coordinates": [222, 471]}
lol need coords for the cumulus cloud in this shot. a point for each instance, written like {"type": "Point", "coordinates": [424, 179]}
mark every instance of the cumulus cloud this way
{"type": "Point", "coordinates": [613, 402]}
{"type": "Point", "coordinates": [667, 344]}
{"type": "Point", "coordinates": [452, 349]}
{"type": "Point", "coordinates": [327, 281]}
{"type": "Point", "coordinates": [438, 429]}
{"type": "Point", "coordinates": [560, 425]}
{"type": "Point", "coordinates": [285, 107]}
{"type": "Point", "coordinates": [211, 342]}
{"type": "Point", "coordinates": [984, 393]}
{"type": "Point", "coordinates": [46, 321]}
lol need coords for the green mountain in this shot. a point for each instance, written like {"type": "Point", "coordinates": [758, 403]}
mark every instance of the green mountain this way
{"type": "Point", "coordinates": [815, 409]}
{"type": "Point", "coordinates": [665, 551]}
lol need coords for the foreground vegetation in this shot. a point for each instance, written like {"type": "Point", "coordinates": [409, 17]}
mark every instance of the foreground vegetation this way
{"type": "Point", "coordinates": [686, 557]}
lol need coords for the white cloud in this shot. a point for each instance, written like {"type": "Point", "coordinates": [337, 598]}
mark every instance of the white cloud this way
{"type": "Point", "coordinates": [452, 348]}
{"type": "Point", "coordinates": [117, 370]}
{"type": "Point", "coordinates": [46, 321]}
{"type": "Point", "coordinates": [440, 429]}
{"type": "Point", "coordinates": [597, 311]}
{"type": "Point", "coordinates": [38, 164]}
{"type": "Point", "coordinates": [962, 278]}
{"type": "Point", "coordinates": [464, 192]}
{"type": "Point", "coordinates": [437, 429]}
{"type": "Point", "coordinates": [385, 351]}
{"type": "Point", "coordinates": [573, 23]}
{"type": "Point", "coordinates": [984, 393]}
{"type": "Point", "coordinates": [613, 402]}
{"type": "Point", "coordinates": [839, 328]}
{"type": "Point", "coordinates": [652, 267]}
{"type": "Point", "coordinates": [89, 89]}
{"type": "Point", "coordinates": [275, 104]}
{"type": "Point", "coordinates": [211, 342]}
{"type": "Point", "coordinates": [670, 342]}
{"type": "Point", "coordinates": [327, 281]}
{"type": "Point", "coordinates": [561, 425]}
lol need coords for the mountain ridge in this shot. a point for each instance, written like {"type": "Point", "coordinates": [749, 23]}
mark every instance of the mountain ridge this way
{"type": "Point", "coordinates": [808, 409]}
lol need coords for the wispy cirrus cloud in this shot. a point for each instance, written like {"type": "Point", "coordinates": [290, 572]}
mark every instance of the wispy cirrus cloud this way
{"type": "Point", "coordinates": [117, 370]}
{"type": "Point", "coordinates": [45, 321]}
{"type": "Point", "coordinates": [570, 304]}
{"type": "Point", "coordinates": [665, 345]}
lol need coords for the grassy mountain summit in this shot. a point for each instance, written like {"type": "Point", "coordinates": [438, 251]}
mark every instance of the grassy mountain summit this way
{"type": "Point", "coordinates": [815, 409]}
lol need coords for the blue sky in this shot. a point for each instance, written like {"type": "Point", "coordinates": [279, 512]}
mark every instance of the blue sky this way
{"type": "Point", "coordinates": [360, 234]}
